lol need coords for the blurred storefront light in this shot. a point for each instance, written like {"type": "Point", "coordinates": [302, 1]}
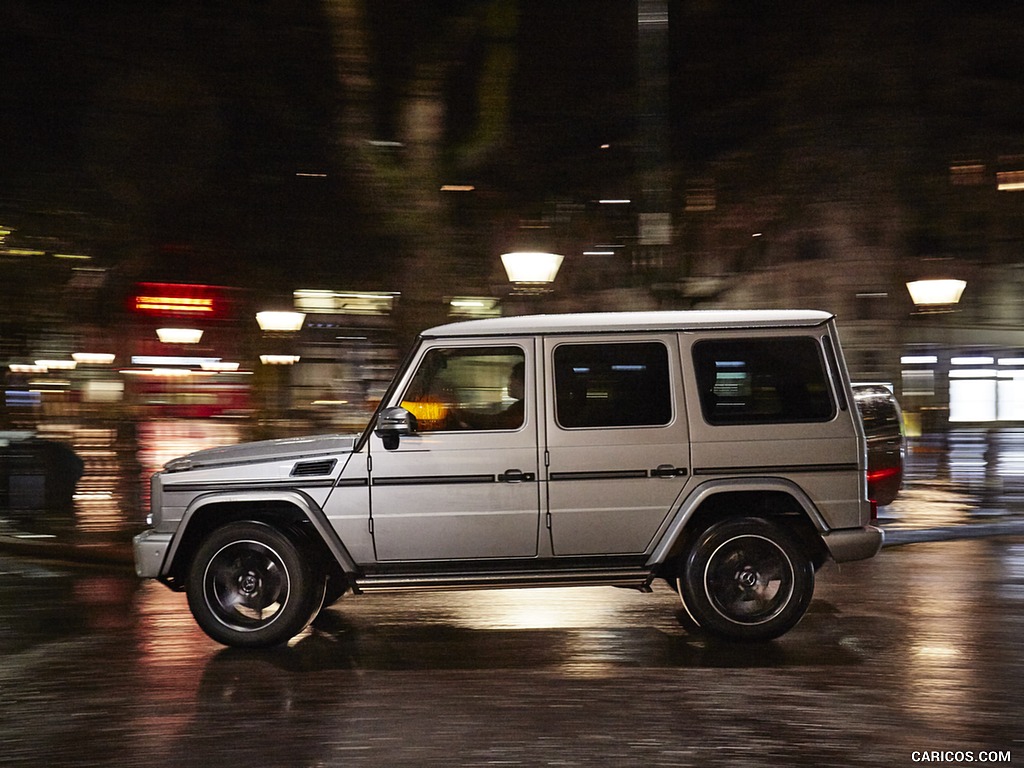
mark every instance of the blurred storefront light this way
{"type": "Point", "coordinates": [26, 368]}
{"type": "Point", "coordinates": [280, 322]}
{"type": "Point", "coordinates": [1010, 181]}
{"type": "Point", "coordinates": [164, 373]}
{"type": "Point", "coordinates": [326, 302]}
{"type": "Point", "coordinates": [180, 300]}
{"type": "Point", "coordinates": [279, 359]}
{"type": "Point", "coordinates": [931, 293]}
{"type": "Point", "coordinates": [103, 391]}
{"type": "Point", "coordinates": [531, 268]}
{"type": "Point", "coordinates": [173, 304]}
{"type": "Point", "coordinates": [179, 335]}
{"type": "Point", "coordinates": [93, 358]}
{"type": "Point", "coordinates": [57, 365]}
{"type": "Point", "coordinates": [220, 366]}
{"type": "Point", "coordinates": [172, 360]}
{"type": "Point", "coordinates": [474, 306]}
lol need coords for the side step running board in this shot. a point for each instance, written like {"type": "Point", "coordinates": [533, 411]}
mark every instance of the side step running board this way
{"type": "Point", "coordinates": [397, 582]}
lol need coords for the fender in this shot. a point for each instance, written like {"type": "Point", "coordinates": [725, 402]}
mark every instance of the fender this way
{"type": "Point", "coordinates": [704, 491]}
{"type": "Point", "coordinates": [309, 508]}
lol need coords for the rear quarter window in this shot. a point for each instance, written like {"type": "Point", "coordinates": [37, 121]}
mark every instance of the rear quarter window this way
{"type": "Point", "coordinates": [762, 381]}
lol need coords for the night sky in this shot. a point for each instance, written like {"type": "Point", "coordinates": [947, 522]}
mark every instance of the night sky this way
{"type": "Point", "coordinates": [202, 138]}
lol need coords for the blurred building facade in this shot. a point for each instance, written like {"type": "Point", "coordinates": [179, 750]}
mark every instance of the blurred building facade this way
{"type": "Point", "coordinates": [679, 155]}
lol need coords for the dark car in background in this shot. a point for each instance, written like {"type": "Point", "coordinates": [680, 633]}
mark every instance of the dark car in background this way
{"type": "Point", "coordinates": [883, 427]}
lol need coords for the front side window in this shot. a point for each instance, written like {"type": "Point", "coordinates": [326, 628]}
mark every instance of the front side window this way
{"type": "Point", "coordinates": [762, 381]}
{"type": "Point", "coordinates": [468, 388]}
{"type": "Point", "coordinates": [612, 385]}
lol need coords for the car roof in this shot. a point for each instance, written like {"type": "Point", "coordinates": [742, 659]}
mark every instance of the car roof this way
{"type": "Point", "coordinates": [589, 322]}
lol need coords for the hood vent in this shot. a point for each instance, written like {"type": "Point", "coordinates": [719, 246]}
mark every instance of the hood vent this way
{"type": "Point", "coordinates": [313, 468]}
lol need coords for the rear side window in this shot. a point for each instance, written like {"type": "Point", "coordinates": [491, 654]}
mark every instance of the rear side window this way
{"type": "Point", "coordinates": [762, 381]}
{"type": "Point", "coordinates": [612, 385]}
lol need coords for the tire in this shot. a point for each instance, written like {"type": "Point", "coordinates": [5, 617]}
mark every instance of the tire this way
{"type": "Point", "coordinates": [250, 586]}
{"type": "Point", "coordinates": [746, 579]}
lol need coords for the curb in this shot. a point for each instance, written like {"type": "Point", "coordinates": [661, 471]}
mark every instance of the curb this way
{"type": "Point", "coordinates": [898, 537]}
{"type": "Point", "coordinates": [102, 555]}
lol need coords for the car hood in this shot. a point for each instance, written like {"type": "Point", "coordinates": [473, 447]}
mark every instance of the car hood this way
{"type": "Point", "coordinates": [265, 450]}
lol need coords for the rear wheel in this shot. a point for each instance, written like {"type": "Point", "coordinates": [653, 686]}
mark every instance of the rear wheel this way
{"type": "Point", "coordinates": [746, 579]}
{"type": "Point", "coordinates": [249, 585]}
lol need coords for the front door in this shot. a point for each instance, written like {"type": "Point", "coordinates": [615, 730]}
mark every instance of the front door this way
{"type": "Point", "coordinates": [617, 441]}
{"type": "Point", "coordinates": [466, 485]}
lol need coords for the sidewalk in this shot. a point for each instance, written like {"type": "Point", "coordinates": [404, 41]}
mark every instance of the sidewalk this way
{"type": "Point", "coordinates": [961, 484]}
{"type": "Point", "coordinates": [897, 534]}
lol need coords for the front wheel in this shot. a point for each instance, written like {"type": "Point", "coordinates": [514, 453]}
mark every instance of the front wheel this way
{"type": "Point", "coordinates": [746, 579]}
{"type": "Point", "coordinates": [250, 586]}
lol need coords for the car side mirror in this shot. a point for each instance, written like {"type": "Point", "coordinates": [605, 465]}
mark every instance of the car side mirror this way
{"type": "Point", "coordinates": [393, 424]}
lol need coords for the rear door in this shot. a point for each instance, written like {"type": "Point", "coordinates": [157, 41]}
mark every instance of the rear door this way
{"type": "Point", "coordinates": [616, 441]}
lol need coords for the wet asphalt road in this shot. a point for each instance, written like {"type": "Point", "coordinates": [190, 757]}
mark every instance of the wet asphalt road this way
{"type": "Point", "coordinates": [918, 650]}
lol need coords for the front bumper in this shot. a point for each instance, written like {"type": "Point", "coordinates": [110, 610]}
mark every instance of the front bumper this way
{"type": "Point", "coordinates": [847, 544]}
{"type": "Point", "coordinates": [150, 549]}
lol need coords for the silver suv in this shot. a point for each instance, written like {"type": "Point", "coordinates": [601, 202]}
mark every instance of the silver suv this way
{"type": "Point", "coordinates": [721, 451]}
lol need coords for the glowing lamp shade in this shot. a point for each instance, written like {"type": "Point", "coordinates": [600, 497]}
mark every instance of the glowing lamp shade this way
{"type": "Point", "coordinates": [925, 293]}
{"type": "Point", "coordinates": [531, 267]}
{"type": "Point", "coordinates": [93, 358]}
{"type": "Point", "coordinates": [279, 359]}
{"type": "Point", "coordinates": [286, 322]}
{"type": "Point", "coordinates": [179, 335]}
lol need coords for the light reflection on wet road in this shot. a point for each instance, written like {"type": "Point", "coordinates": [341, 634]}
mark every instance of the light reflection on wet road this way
{"type": "Point", "coordinates": [917, 649]}
{"type": "Point", "coordinates": [959, 478]}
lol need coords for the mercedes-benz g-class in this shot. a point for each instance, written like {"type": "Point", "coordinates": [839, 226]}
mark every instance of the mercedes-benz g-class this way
{"type": "Point", "coordinates": [721, 451]}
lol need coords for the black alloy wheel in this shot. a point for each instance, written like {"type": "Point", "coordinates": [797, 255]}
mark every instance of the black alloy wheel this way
{"type": "Point", "coordinates": [250, 585]}
{"type": "Point", "coordinates": [746, 579]}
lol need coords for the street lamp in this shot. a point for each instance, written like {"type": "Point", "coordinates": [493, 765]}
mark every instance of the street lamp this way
{"type": "Point", "coordinates": [936, 293]}
{"type": "Point", "coordinates": [179, 335]}
{"type": "Point", "coordinates": [280, 328]}
{"type": "Point", "coordinates": [280, 322]}
{"type": "Point", "coordinates": [279, 359]}
{"type": "Point", "coordinates": [531, 270]}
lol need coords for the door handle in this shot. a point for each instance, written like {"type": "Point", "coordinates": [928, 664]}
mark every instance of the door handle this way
{"type": "Point", "coordinates": [516, 476]}
{"type": "Point", "coordinates": [668, 470]}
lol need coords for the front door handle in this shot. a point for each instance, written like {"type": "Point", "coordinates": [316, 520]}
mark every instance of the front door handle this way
{"type": "Point", "coordinates": [668, 470]}
{"type": "Point", "coordinates": [516, 476]}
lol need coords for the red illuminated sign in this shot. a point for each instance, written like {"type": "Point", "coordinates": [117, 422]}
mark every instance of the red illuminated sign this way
{"type": "Point", "coordinates": [179, 300]}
